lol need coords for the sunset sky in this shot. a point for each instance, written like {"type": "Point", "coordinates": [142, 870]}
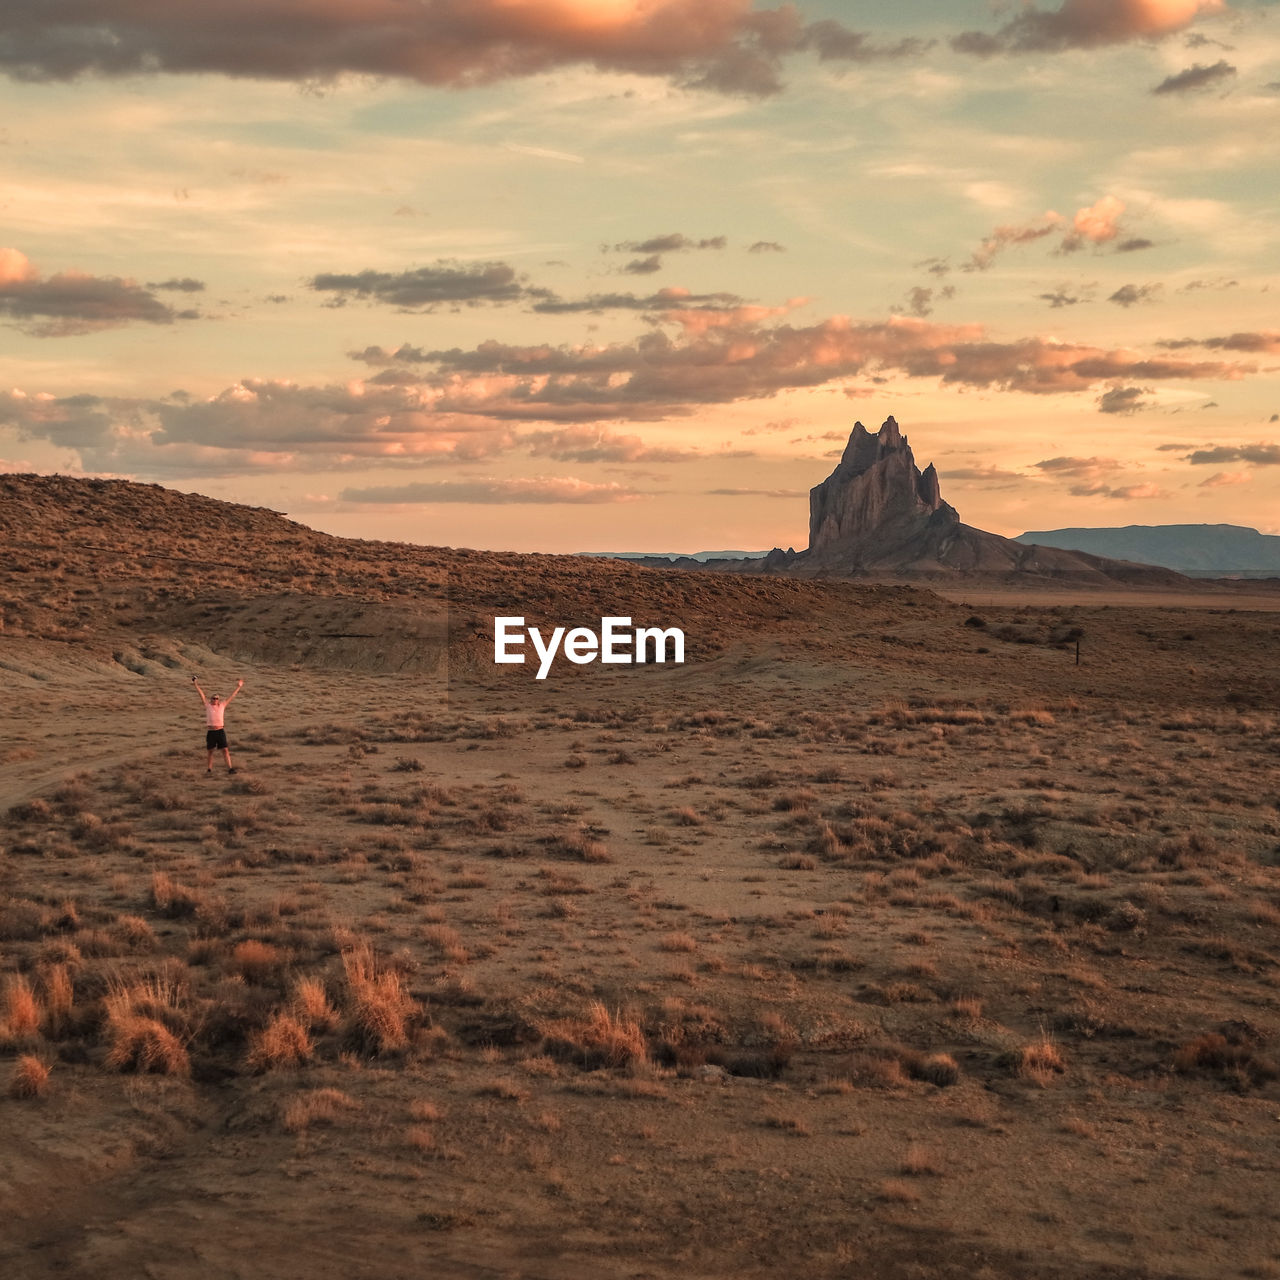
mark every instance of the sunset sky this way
{"type": "Point", "coordinates": [571, 275]}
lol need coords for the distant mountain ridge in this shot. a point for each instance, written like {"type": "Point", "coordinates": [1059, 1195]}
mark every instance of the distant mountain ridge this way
{"type": "Point", "coordinates": [1204, 549]}
{"type": "Point", "coordinates": [701, 556]}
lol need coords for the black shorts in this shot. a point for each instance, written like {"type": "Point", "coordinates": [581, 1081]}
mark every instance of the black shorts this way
{"type": "Point", "coordinates": [215, 740]}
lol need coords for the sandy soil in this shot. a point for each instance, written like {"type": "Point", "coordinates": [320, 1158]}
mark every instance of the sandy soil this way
{"type": "Point", "coordinates": [1213, 596]}
{"type": "Point", "coordinates": [881, 939]}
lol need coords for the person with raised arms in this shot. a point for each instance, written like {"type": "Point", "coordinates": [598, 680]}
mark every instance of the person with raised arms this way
{"type": "Point", "coordinates": [215, 738]}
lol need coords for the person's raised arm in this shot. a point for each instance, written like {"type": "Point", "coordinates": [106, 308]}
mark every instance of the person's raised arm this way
{"type": "Point", "coordinates": [239, 686]}
{"type": "Point", "coordinates": [195, 681]}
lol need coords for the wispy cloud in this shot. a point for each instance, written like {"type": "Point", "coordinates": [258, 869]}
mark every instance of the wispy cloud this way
{"type": "Point", "coordinates": [73, 302]}
{"type": "Point", "coordinates": [672, 242]}
{"type": "Point", "coordinates": [1004, 236]}
{"type": "Point", "coordinates": [1085, 24]}
{"type": "Point", "coordinates": [1096, 224]}
{"type": "Point", "coordinates": [1059, 298]}
{"type": "Point", "coordinates": [1091, 478]}
{"type": "Point", "coordinates": [663, 300]}
{"type": "Point", "coordinates": [424, 288]}
{"type": "Point", "coordinates": [757, 493]}
{"type": "Point", "coordinates": [644, 266]}
{"type": "Point", "coordinates": [1124, 492]}
{"type": "Point", "coordinates": [1195, 77]}
{"type": "Point", "coordinates": [546, 153]}
{"type": "Point", "coordinates": [1130, 294]}
{"type": "Point", "coordinates": [524, 489]}
{"type": "Point", "coordinates": [1265, 341]}
{"type": "Point", "coordinates": [1089, 468]}
{"type": "Point", "coordinates": [1261, 454]}
{"type": "Point", "coordinates": [655, 246]}
{"type": "Point", "coordinates": [185, 284]}
{"type": "Point", "coordinates": [982, 475]}
{"type": "Point", "coordinates": [597, 444]}
{"type": "Point", "coordinates": [921, 298]}
{"type": "Point", "coordinates": [1123, 400]}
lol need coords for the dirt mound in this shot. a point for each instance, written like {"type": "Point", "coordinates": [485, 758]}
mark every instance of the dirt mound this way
{"type": "Point", "coordinates": [116, 566]}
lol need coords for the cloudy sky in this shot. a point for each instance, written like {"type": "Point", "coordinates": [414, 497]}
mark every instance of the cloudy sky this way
{"type": "Point", "coordinates": [585, 274]}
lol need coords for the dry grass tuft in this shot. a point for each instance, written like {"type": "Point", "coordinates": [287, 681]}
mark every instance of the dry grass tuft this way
{"type": "Point", "coordinates": [135, 933]}
{"type": "Point", "coordinates": [378, 1004]}
{"type": "Point", "coordinates": [1230, 1058]}
{"type": "Point", "coordinates": [936, 1068]}
{"type": "Point", "coordinates": [256, 961]}
{"type": "Point", "coordinates": [30, 1078]}
{"type": "Point", "coordinates": [798, 862]}
{"type": "Point", "coordinates": [1040, 1061]}
{"type": "Point", "coordinates": [446, 941]}
{"type": "Point", "coordinates": [21, 1010]}
{"type": "Point", "coordinates": [319, 1106]}
{"type": "Point", "coordinates": [140, 1026]}
{"type": "Point", "coordinates": [282, 1043]}
{"type": "Point", "coordinates": [679, 942]}
{"type": "Point", "coordinates": [171, 898]}
{"type": "Point", "coordinates": [601, 1039]}
{"type": "Point", "coordinates": [145, 1045]}
{"type": "Point", "coordinates": [59, 998]}
{"type": "Point", "coordinates": [968, 1007]}
{"type": "Point", "coordinates": [579, 844]}
{"type": "Point", "coordinates": [311, 1005]}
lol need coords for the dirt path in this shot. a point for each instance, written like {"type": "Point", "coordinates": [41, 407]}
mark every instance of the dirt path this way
{"type": "Point", "coordinates": [48, 735]}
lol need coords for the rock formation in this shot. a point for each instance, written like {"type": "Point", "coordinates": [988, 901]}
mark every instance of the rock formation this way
{"type": "Point", "coordinates": [878, 513]}
{"type": "Point", "coordinates": [876, 502]}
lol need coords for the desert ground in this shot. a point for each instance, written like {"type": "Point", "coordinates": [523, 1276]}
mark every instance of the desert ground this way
{"type": "Point", "coordinates": [880, 939]}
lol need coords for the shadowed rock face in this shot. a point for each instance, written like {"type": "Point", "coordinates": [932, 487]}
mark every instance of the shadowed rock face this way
{"type": "Point", "coordinates": [877, 495]}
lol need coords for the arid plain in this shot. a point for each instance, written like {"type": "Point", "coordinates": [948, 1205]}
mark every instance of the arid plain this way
{"type": "Point", "coordinates": [880, 939]}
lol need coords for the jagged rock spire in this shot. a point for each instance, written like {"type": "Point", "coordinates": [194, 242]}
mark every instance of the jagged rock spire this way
{"type": "Point", "coordinates": [876, 496]}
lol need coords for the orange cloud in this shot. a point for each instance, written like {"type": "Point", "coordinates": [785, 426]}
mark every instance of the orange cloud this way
{"type": "Point", "coordinates": [15, 268]}
{"type": "Point", "coordinates": [699, 321]}
{"type": "Point", "coordinates": [658, 376]}
{"type": "Point", "coordinates": [466, 404]}
{"type": "Point", "coordinates": [1086, 24]}
{"type": "Point", "coordinates": [1002, 237]}
{"type": "Point", "coordinates": [1098, 222]}
{"type": "Point", "coordinates": [522, 489]}
{"type": "Point", "coordinates": [719, 44]}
